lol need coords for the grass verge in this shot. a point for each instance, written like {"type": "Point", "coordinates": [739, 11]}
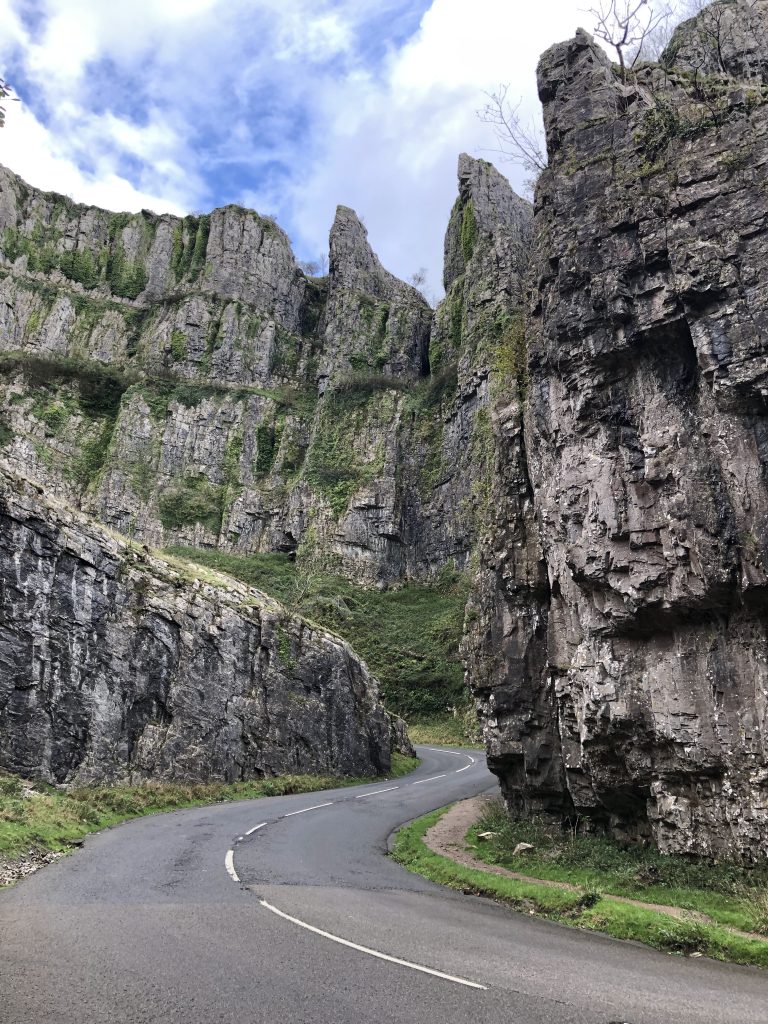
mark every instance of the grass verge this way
{"type": "Point", "coordinates": [730, 894]}
{"type": "Point", "coordinates": [42, 818]}
{"type": "Point", "coordinates": [585, 909]}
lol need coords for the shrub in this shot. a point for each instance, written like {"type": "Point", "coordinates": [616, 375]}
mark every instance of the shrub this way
{"type": "Point", "coordinates": [193, 500]}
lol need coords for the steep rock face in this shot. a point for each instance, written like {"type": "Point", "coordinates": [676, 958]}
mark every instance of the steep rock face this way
{"type": "Point", "coordinates": [372, 320]}
{"type": "Point", "coordinates": [250, 407]}
{"type": "Point", "coordinates": [724, 38]}
{"type": "Point", "coordinates": [116, 666]}
{"type": "Point", "coordinates": [645, 434]}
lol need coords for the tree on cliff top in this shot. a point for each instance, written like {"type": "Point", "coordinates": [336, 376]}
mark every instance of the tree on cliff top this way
{"type": "Point", "coordinates": [6, 93]}
{"type": "Point", "coordinates": [631, 28]}
{"type": "Point", "coordinates": [519, 142]}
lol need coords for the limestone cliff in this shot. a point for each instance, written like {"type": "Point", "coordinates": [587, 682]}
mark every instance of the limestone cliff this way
{"type": "Point", "coordinates": [619, 648]}
{"type": "Point", "coordinates": [184, 382]}
{"type": "Point", "coordinates": [115, 665]}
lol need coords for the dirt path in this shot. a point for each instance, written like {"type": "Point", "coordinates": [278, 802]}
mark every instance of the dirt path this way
{"type": "Point", "coordinates": [447, 837]}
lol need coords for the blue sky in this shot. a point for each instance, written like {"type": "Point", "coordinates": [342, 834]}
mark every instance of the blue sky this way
{"type": "Point", "coordinates": [289, 106]}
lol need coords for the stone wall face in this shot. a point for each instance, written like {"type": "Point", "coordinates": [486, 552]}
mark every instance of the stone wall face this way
{"type": "Point", "coordinates": [645, 460]}
{"type": "Point", "coordinates": [255, 408]}
{"type": "Point", "coordinates": [116, 666]}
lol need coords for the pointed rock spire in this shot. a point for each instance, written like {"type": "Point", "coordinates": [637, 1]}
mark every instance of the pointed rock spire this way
{"type": "Point", "coordinates": [487, 206]}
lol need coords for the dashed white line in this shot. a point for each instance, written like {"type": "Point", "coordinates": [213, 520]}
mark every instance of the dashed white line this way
{"type": "Point", "coordinates": [305, 809]}
{"type": "Point", "coordinates": [229, 864]}
{"type": "Point", "coordinates": [255, 828]}
{"type": "Point", "coordinates": [421, 781]}
{"type": "Point", "coordinates": [372, 952]}
{"type": "Point", "coordinates": [364, 796]}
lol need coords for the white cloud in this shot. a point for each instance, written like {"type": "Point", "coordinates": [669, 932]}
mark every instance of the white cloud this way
{"type": "Point", "coordinates": [391, 142]}
{"type": "Point", "coordinates": [293, 106]}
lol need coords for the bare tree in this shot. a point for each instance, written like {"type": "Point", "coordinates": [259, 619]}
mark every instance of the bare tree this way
{"type": "Point", "coordinates": [656, 40]}
{"type": "Point", "coordinates": [418, 278]}
{"type": "Point", "coordinates": [625, 25]}
{"type": "Point", "coordinates": [315, 268]}
{"type": "Point", "coordinates": [520, 142]}
{"type": "Point", "coordinates": [6, 93]}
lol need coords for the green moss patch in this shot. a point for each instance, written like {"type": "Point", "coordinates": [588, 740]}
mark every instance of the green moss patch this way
{"type": "Point", "coordinates": [192, 500]}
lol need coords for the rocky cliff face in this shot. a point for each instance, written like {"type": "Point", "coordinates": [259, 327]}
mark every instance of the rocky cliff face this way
{"type": "Point", "coordinates": [116, 666]}
{"type": "Point", "coordinates": [619, 654]}
{"type": "Point", "coordinates": [184, 382]}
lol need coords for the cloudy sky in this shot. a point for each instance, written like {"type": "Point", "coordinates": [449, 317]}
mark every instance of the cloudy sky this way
{"type": "Point", "coordinates": [288, 106]}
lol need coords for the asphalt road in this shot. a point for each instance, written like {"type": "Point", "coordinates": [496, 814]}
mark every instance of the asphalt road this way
{"type": "Point", "coordinates": [175, 918]}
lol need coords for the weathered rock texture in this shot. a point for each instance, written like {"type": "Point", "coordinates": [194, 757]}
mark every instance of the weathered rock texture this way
{"type": "Point", "coordinates": [117, 666]}
{"type": "Point", "coordinates": [184, 382]}
{"type": "Point", "coordinates": [619, 651]}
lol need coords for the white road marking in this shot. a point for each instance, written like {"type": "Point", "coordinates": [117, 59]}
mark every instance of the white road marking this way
{"type": "Point", "coordinates": [305, 809]}
{"type": "Point", "coordinates": [239, 839]}
{"type": "Point", "coordinates": [371, 952]}
{"type": "Point", "coordinates": [255, 828]}
{"type": "Point", "coordinates": [229, 864]}
{"type": "Point", "coordinates": [429, 780]}
{"type": "Point", "coordinates": [457, 754]}
{"type": "Point", "coordinates": [364, 796]}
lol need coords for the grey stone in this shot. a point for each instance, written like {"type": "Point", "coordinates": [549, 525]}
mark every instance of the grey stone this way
{"type": "Point", "coordinates": [116, 666]}
{"type": "Point", "coordinates": [619, 646]}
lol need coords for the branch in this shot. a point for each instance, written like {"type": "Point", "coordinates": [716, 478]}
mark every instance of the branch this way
{"type": "Point", "coordinates": [520, 143]}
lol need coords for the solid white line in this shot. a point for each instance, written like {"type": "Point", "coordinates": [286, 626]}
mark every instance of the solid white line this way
{"type": "Point", "coordinates": [371, 952]}
{"type": "Point", "coordinates": [255, 828]}
{"type": "Point", "coordinates": [429, 780]}
{"type": "Point", "coordinates": [229, 864]}
{"type": "Point", "coordinates": [239, 839]}
{"type": "Point", "coordinates": [364, 796]}
{"type": "Point", "coordinates": [305, 809]}
{"type": "Point", "coordinates": [464, 769]}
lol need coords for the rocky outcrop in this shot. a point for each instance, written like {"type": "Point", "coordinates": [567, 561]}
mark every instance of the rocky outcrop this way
{"type": "Point", "coordinates": [250, 407]}
{"type": "Point", "coordinates": [630, 691]}
{"type": "Point", "coordinates": [725, 38]}
{"type": "Point", "coordinates": [116, 666]}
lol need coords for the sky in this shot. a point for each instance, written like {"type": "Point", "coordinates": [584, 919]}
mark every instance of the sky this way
{"type": "Point", "coordinates": [287, 106]}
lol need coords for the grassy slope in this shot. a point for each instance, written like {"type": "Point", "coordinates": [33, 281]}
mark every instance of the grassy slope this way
{"type": "Point", "coordinates": [728, 893]}
{"type": "Point", "coordinates": [45, 818]}
{"type": "Point", "coordinates": [587, 909]}
{"type": "Point", "coordinates": [409, 637]}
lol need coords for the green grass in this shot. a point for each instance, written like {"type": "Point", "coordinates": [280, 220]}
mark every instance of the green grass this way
{"type": "Point", "coordinates": [192, 500]}
{"type": "Point", "coordinates": [409, 637]}
{"type": "Point", "coordinates": [584, 909]}
{"type": "Point", "coordinates": [402, 764]}
{"type": "Point", "coordinates": [729, 893]}
{"type": "Point", "coordinates": [52, 819]}
{"type": "Point", "coordinates": [448, 730]}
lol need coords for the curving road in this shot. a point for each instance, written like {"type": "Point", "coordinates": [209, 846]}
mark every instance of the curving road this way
{"type": "Point", "coordinates": [287, 909]}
